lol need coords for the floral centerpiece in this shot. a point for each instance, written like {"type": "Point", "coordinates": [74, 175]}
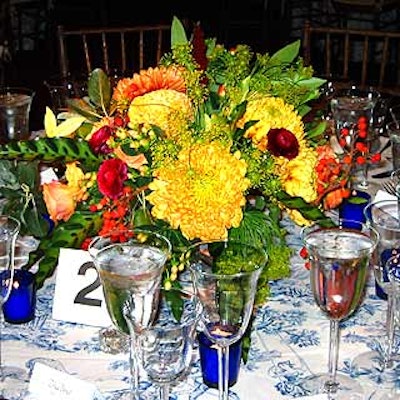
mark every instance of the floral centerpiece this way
{"type": "Point", "coordinates": [209, 144]}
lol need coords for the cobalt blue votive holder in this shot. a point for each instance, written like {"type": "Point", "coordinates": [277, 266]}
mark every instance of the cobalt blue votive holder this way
{"type": "Point", "coordinates": [209, 361]}
{"type": "Point", "coordinates": [20, 305]}
{"type": "Point", "coordinates": [352, 209]}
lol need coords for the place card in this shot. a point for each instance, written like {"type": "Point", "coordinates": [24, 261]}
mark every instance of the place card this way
{"type": "Point", "coordinates": [78, 294]}
{"type": "Point", "coordinates": [47, 383]}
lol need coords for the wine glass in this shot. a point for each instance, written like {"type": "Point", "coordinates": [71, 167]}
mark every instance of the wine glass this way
{"type": "Point", "coordinates": [130, 271]}
{"type": "Point", "coordinates": [13, 380]}
{"type": "Point", "coordinates": [225, 275]}
{"type": "Point", "coordinates": [167, 345]}
{"type": "Point", "coordinates": [384, 217]}
{"type": "Point", "coordinates": [339, 260]}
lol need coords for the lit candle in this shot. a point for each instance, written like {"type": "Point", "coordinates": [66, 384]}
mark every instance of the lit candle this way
{"type": "Point", "coordinates": [20, 305]}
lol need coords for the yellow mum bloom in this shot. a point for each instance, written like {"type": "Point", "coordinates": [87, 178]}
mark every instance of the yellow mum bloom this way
{"type": "Point", "coordinates": [168, 109]}
{"type": "Point", "coordinates": [298, 178]}
{"type": "Point", "coordinates": [202, 192]}
{"type": "Point", "coordinates": [270, 112]}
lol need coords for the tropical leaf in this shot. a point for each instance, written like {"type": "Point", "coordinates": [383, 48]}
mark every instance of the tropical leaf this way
{"type": "Point", "coordinates": [50, 150]}
{"type": "Point", "coordinates": [70, 234]}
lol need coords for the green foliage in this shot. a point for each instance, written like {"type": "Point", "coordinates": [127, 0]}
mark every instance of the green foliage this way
{"type": "Point", "coordinates": [22, 198]}
{"type": "Point", "coordinates": [51, 150]}
{"type": "Point", "coordinates": [70, 234]}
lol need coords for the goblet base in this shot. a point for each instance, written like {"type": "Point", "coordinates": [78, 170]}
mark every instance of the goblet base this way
{"type": "Point", "coordinates": [13, 382]}
{"type": "Point", "coordinates": [345, 388]}
{"type": "Point", "coordinates": [113, 341]}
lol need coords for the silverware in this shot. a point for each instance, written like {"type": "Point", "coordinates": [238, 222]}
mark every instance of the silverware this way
{"type": "Point", "coordinates": [390, 187]}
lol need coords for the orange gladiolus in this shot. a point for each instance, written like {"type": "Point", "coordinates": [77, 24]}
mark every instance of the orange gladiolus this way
{"type": "Point", "coordinates": [60, 200]}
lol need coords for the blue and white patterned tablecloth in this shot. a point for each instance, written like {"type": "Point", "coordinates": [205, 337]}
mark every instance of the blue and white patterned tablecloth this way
{"type": "Point", "coordinates": [289, 342]}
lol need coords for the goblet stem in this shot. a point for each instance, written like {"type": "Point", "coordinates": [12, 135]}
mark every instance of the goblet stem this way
{"type": "Point", "coordinates": [134, 365]}
{"type": "Point", "coordinates": [390, 325]}
{"type": "Point", "coordinates": [331, 385]}
{"type": "Point", "coordinates": [223, 372]}
{"type": "Point", "coordinates": [164, 391]}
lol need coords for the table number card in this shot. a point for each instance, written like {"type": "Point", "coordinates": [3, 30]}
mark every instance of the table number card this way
{"type": "Point", "coordinates": [78, 295]}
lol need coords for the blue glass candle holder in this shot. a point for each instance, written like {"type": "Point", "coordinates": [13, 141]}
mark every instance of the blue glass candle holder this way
{"type": "Point", "coordinates": [20, 306]}
{"type": "Point", "coordinates": [352, 209]}
{"type": "Point", "coordinates": [209, 361]}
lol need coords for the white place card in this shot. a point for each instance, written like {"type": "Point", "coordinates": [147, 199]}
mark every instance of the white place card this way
{"type": "Point", "coordinates": [47, 383]}
{"type": "Point", "coordinates": [78, 295]}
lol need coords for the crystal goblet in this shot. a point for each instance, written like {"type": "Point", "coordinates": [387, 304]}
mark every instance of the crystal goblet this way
{"type": "Point", "coordinates": [225, 275]}
{"type": "Point", "coordinates": [130, 271]}
{"type": "Point", "coordinates": [167, 346]}
{"type": "Point", "coordinates": [339, 259]}
{"type": "Point", "coordinates": [13, 380]}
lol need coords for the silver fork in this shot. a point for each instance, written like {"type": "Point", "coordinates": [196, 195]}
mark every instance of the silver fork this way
{"type": "Point", "coordinates": [390, 186]}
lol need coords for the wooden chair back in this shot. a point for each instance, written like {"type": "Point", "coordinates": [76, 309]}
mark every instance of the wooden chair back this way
{"type": "Point", "coordinates": [117, 50]}
{"type": "Point", "coordinates": [367, 58]}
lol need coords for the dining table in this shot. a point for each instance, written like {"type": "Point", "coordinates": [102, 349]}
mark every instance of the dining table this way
{"type": "Point", "coordinates": [289, 342]}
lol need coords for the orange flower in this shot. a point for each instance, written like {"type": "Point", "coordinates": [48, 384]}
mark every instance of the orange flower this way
{"type": "Point", "coordinates": [147, 81]}
{"type": "Point", "coordinates": [60, 200]}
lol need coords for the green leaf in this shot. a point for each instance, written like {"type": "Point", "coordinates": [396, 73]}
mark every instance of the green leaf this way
{"type": "Point", "coordinates": [178, 34]}
{"type": "Point", "coordinates": [8, 177]}
{"type": "Point", "coordinates": [317, 131]}
{"type": "Point", "coordinates": [70, 234]}
{"type": "Point", "coordinates": [307, 210]}
{"type": "Point", "coordinates": [287, 54]}
{"type": "Point", "coordinates": [99, 89]}
{"type": "Point", "coordinates": [50, 150]}
{"type": "Point", "coordinates": [82, 107]}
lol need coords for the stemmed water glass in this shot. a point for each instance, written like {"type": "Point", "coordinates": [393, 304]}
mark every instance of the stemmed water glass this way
{"type": "Point", "coordinates": [384, 217]}
{"type": "Point", "coordinates": [167, 345]}
{"type": "Point", "coordinates": [12, 379]}
{"type": "Point", "coordinates": [339, 260]}
{"type": "Point", "coordinates": [225, 275]}
{"type": "Point", "coordinates": [130, 271]}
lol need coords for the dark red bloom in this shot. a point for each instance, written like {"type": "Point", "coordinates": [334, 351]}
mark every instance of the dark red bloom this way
{"type": "Point", "coordinates": [98, 141]}
{"type": "Point", "coordinates": [111, 177]}
{"type": "Point", "coordinates": [282, 142]}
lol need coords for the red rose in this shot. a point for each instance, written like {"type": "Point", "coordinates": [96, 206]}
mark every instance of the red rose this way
{"type": "Point", "coordinates": [282, 142]}
{"type": "Point", "coordinates": [98, 141]}
{"type": "Point", "coordinates": [111, 177]}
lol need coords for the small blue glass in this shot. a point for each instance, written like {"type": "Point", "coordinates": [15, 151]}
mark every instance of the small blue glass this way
{"type": "Point", "coordinates": [20, 305]}
{"type": "Point", "coordinates": [352, 209]}
{"type": "Point", "coordinates": [209, 361]}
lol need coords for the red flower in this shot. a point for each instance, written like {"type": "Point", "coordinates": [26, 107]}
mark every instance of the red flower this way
{"type": "Point", "coordinates": [111, 177]}
{"type": "Point", "coordinates": [282, 142]}
{"type": "Point", "coordinates": [98, 141]}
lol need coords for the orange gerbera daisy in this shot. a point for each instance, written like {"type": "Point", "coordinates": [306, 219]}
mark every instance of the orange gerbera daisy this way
{"type": "Point", "coordinates": [147, 81]}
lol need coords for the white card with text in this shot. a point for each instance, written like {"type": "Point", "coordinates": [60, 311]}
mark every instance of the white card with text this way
{"type": "Point", "coordinates": [47, 383]}
{"type": "Point", "coordinates": [78, 295]}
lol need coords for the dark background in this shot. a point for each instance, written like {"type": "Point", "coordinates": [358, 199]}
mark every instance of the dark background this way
{"type": "Point", "coordinates": [29, 26]}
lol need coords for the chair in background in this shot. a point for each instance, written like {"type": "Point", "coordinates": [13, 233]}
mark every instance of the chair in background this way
{"type": "Point", "coordinates": [363, 57]}
{"type": "Point", "coordinates": [119, 51]}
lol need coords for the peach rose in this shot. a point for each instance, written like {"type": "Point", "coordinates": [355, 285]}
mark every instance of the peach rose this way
{"type": "Point", "coordinates": [60, 200]}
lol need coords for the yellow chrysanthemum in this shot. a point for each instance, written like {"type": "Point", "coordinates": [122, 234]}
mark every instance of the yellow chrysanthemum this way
{"type": "Point", "coordinates": [168, 109]}
{"type": "Point", "coordinates": [270, 112]}
{"type": "Point", "coordinates": [202, 198]}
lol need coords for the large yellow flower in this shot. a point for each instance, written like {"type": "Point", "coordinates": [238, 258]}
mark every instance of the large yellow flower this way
{"type": "Point", "coordinates": [270, 112]}
{"type": "Point", "coordinates": [299, 178]}
{"type": "Point", "coordinates": [202, 192]}
{"type": "Point", "coordinates": [168, 109]}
